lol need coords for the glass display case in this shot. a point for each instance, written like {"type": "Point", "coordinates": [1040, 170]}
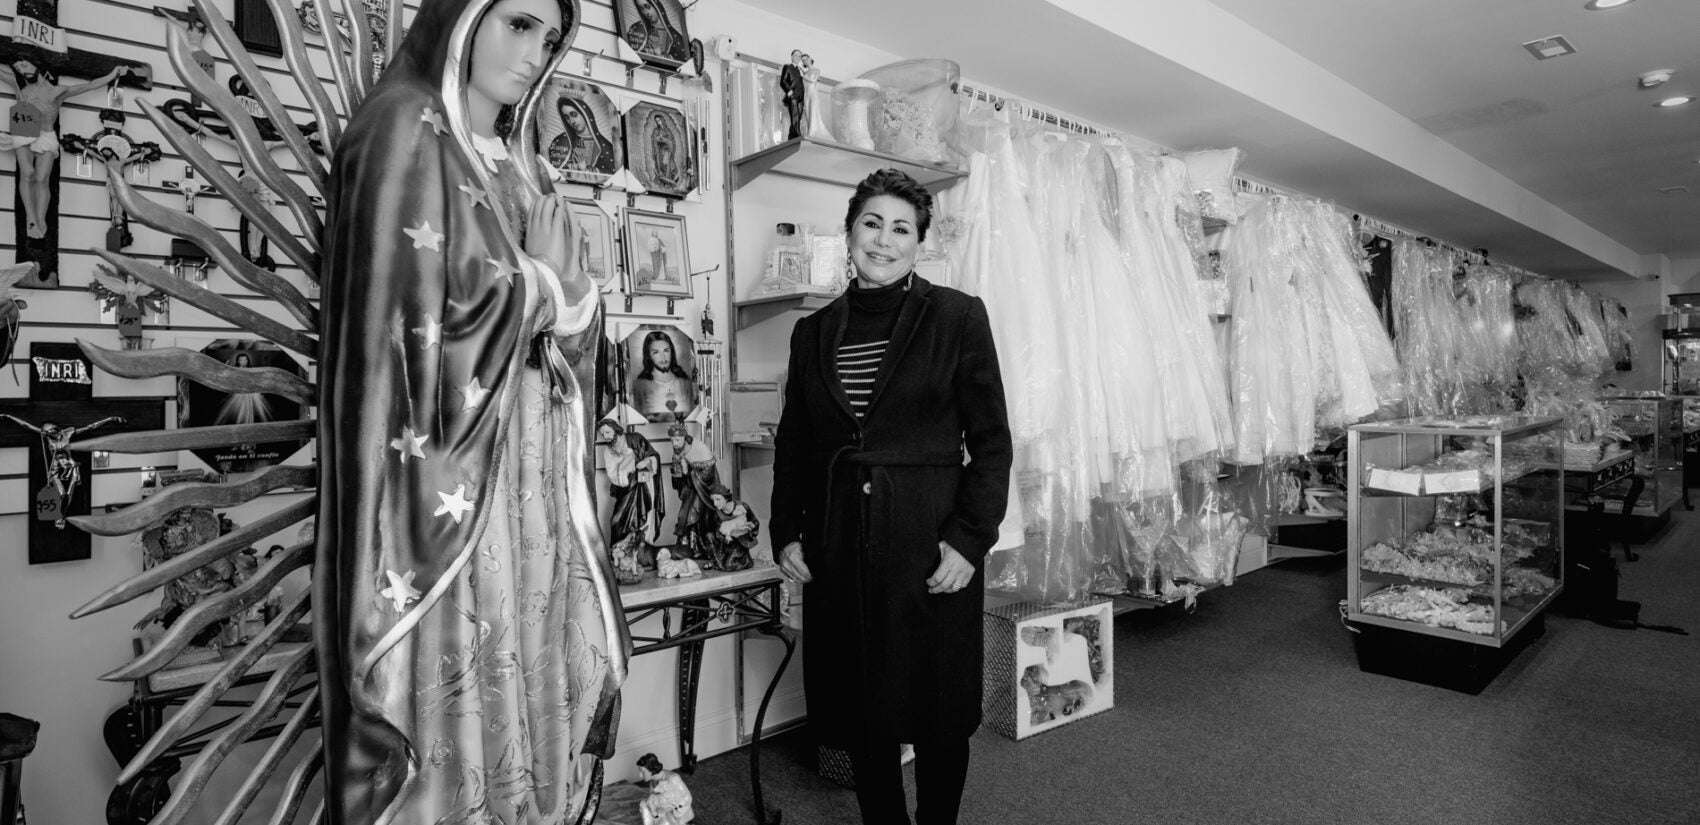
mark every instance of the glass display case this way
{"type": "Point", "coordinates": [1455, 526]}
{"type": "Point", "coordinates": [1655, 426]}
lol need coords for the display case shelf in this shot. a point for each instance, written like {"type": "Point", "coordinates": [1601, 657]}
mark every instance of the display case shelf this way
{"type": "Point", "coordinates": [835, 163]}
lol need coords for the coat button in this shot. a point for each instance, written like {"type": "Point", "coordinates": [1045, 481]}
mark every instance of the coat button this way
{"type": "Point", "coordinates": [867, 488]}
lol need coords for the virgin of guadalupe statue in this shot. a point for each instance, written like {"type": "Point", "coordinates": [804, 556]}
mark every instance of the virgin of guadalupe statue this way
{"type": "Point", "coordinates": [471, 647]}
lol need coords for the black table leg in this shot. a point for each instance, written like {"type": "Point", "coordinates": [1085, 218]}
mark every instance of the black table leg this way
{"type": "Point", "coordinates": [1636, 485]}
{"type": "Point", "coordinates": [690, 674]}
{"type": "Point", "coordinates": [789, 638]}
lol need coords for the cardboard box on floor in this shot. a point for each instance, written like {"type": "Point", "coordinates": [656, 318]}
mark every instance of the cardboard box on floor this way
{"type": "Point", "coordinates": [1047, 665]}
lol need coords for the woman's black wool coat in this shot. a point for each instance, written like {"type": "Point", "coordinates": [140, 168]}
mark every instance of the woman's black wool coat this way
{"type": "Point", "coordinates": [871, 500]}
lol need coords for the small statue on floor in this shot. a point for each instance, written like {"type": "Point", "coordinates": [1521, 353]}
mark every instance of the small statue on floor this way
{"type": "Point", "coordinates": [669, 801]}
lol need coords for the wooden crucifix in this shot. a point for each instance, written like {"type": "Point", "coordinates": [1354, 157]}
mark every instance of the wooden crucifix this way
{"type": "Point", "coordinates": [37, 55]}
{"type": "Point", "coordinates": [61, 407]}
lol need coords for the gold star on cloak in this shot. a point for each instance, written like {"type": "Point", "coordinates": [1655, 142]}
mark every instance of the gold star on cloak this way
{"type": "Point", "coordinates": [478, 196]}
{"type": "Point", "coordinates": [401, 589]}
{"type": "Point", "coordinates": [424, 238]}
{"type": "Point", "coordinates": [431, 116]}
{"type": "Point", "coordinates": [431, 332]}
{"type": "Point", "coordinates": [504, 270]}
{"type": "Point", "coordinates": [454, 504]}
{"type": "Point", "coordinates": [409, 444]}
{"type": "Point", "coordinates": [473, 395]}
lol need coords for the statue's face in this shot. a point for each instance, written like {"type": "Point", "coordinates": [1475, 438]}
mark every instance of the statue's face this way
{"type": "Point", "coordinates": [719, 501]}
{"type": "Point", "coordinates": [512, 47]}
{"type": "Point", "coordinates": [25, 69]}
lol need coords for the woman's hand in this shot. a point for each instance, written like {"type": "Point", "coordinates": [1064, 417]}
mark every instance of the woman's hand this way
{"type": "Point", "coordinates": [791, 563]}
{"type": "Point", "coordinates": [550, 232]}
{"type": "Point", "coordinates": [953, 572]}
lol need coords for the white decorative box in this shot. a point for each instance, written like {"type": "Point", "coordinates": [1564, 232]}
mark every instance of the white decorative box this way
{"type": "Point", "coordinates": [1047, 665]}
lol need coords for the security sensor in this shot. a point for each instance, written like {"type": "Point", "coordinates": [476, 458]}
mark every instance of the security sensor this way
{"type": "Point", "coordinates": [1656, 77]}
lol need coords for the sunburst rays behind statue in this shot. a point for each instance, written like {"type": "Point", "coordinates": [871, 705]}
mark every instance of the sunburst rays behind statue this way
{"type": "Point", "coordinates": [351, 52]}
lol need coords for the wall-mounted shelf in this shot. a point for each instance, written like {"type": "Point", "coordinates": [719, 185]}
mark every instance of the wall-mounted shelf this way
{"type": "Point", "coordinates": [835, 163]}
{"type": "Point", "coordinates": [757, 310]}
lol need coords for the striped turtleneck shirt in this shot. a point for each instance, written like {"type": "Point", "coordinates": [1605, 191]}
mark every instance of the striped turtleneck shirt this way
{"type": "Point", "coordinates": [873, 316]}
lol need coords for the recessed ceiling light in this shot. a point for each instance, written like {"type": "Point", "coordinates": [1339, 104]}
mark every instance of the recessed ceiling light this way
{"type": "Point", "coordinates": [1602, 5]}
{"type": "Point", "coordinates": [1670, 102]}
{"type": "Point", "coordinates": [1550, 47]}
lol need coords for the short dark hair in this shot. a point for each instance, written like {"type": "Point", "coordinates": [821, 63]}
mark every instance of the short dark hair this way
{"type": "Point", "coordinates": [720, 490]}
{"type": "Point", "coordinates": [612, 424]}
{"type": "Point", "coordinates": [895, 183]}
{"type": "Point", "coordinates": [649, 762]}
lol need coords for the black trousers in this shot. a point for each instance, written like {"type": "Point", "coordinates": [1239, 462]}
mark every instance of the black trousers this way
{"type": "Point", "coordinates": [941, 769]}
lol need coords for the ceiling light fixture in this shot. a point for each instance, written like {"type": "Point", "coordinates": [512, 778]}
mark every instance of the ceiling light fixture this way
{"type": "Point", "coordinates": [1671, 102]}
{"type": "Point", "coordinates": [1602, 5]}
{"type": "Point", "coordinates": [1656, 77]}
{"type": "Point", "coordinates": [1673, 190]}
{"type": "Point", "coordinates": [1550, 47]}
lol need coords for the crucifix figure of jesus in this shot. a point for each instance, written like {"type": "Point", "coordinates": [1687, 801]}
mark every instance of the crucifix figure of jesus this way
{"type": "Point", "coordinates": [62, 469]}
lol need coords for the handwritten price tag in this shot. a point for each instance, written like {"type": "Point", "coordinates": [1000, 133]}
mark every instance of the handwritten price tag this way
{"type": "Point", "coordinates": [26, 121]}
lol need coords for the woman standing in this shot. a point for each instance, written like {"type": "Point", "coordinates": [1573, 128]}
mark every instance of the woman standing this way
{"type": "Point", "coordinates": [471, 645]}
{"type": "Point", "coordinates": [889, 483]}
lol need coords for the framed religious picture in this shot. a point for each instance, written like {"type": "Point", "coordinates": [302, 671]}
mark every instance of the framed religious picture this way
{"type": "Point", "coordinates": [657, 260]}
{"type": "Point", "coordinates": [579, 131]}
{"type": "Point", "coordinates": [658, 150]}
{"type": "Point", "coordinates": [201, 406]}
{"type": "Point", "coordinates": [655, 29]}
{"type": "Point", "coordinates": [661, 372]}
{"type": "Point", "coordinates": [595, 242]}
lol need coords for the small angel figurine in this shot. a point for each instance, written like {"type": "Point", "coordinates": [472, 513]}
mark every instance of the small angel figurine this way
{"type": "Point", "coordinates": [668, 568]}
{"type": "Point", "coordinates": [669, 801]}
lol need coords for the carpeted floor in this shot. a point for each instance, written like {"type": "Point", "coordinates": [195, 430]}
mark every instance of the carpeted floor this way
{"type": "Point", "coordinates": [1253, 710]}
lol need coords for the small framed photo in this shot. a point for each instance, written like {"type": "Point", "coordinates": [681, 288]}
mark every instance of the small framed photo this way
{"type": "Point", "coordinates": [657, 260]}
{"type": "Point", "coordinates": [655, 29]}
{"type": "Point", "coordinates": [659, 149]}
{"type": "Point", "coordinates": [580, 131]}
{"type": "Point", "coordinates": [595, 242]}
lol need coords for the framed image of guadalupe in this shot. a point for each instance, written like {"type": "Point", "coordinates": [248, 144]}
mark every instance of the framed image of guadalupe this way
{"type": "Point", "coordinates": [201, 406]}
{"type": "Point", "coordinates": [655, 29]}
{"type": "Point", "coordinates": [657, 260]}
{"type": "Point", "coordinates": [595, 242]}
{"type": "Point", "coordinates": [579, 131]}
{"type": "Point", "coordinates": [661, 373]}
{"type": "Point", "coordinates": [658, 150]}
